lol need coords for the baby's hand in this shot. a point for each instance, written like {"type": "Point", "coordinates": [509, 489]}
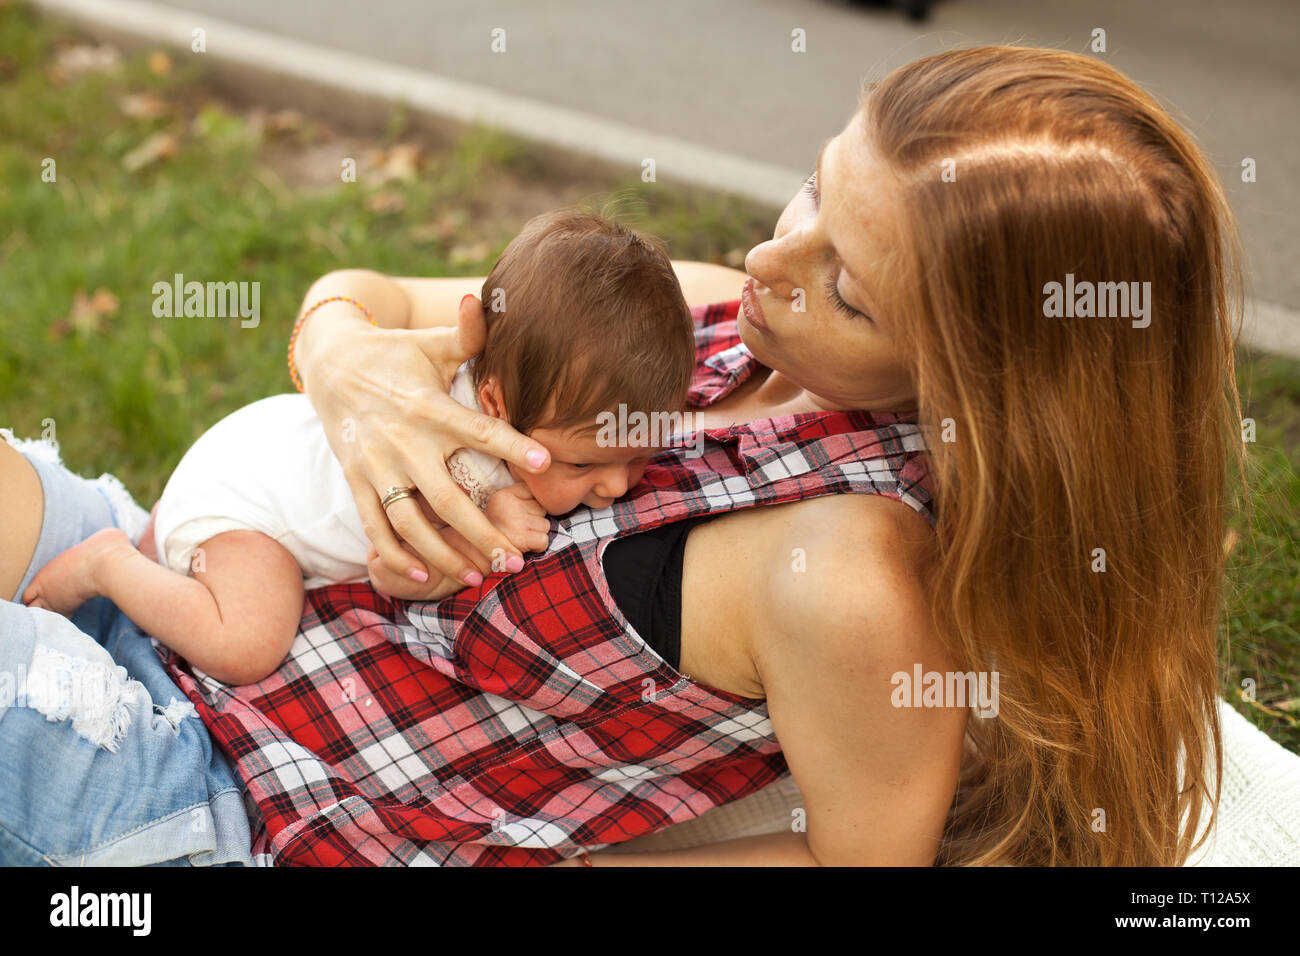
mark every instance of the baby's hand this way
{"type": "Point", "coordinates": [519, 517]}
{"type": "Point", "coordinates": [396, 586]}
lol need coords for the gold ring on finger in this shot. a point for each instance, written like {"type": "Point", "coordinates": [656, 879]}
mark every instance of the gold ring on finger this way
{"type": "Point", "coordinates": [395, 494]}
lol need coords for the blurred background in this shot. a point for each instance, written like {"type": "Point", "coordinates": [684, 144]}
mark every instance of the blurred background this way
{"type": "Point", "coordinates": [721, 73]}
{"type": "Point", "coordinates": [210, 138]}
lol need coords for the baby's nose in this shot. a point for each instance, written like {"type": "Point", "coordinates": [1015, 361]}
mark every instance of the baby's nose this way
{"type": "Point", "coordinates": [612, 485]}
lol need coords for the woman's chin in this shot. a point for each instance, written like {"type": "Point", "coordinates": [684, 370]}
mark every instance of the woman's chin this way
{"type": "Point", "coordinates": [757, 340]}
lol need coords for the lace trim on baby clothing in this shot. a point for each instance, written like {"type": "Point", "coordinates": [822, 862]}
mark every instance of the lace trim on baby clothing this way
{"type": "Point", "coordinates": [465, 475]}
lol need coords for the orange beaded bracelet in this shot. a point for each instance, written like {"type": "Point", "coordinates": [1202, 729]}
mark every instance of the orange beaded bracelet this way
{"type": "Point", "coordinates": [297, 327]}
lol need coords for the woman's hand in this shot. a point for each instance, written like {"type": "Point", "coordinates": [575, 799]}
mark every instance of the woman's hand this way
{"type": "Point", "coordinates": [382, 396]}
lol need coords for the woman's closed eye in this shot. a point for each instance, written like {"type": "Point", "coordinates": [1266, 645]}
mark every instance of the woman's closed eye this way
{"type": "Point", "coordinates": [837, 300]}
{"type": "Point", "coordinates": [832, 284]}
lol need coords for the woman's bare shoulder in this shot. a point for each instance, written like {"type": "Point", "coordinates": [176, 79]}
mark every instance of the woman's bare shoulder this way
{"type": "Point", "coordinates": [759, 584]}
{"type": "Point", "coordinates": [852, 565]}
{"type": "Point", "coordinates": [869, 527]}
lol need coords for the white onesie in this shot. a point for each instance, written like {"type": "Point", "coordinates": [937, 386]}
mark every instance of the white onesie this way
{"type": "Point", "coordinates": [268, 467]}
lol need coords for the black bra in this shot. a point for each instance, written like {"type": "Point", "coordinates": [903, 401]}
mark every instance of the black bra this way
{"type": "Point", "coordinates": [644, 571]}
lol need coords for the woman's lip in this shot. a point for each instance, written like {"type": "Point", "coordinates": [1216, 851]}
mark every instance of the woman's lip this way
{"type": "Point", "coordinates": [749, 304]}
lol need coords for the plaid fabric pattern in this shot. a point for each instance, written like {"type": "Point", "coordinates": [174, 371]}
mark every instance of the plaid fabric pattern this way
{"type": "Point", "coordinates": [520, 721]}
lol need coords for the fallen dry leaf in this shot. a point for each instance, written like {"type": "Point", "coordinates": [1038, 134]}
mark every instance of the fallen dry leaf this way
{"type": "Point", "coordinates": [402, 162]}
{"type": "Point", "coordinates": [157, 147]}
{"type": "Point", "coordinates": [74, 61]}
{"type": "Point", "coordinates": [87, 315]}
{"type": "Point", "coordinates": [425, 232]}
{"type": "Point", "coordinates": [468, 253]}
{"type": "Point", "coordinates": [450, 222]}
{"type": "Point", "coordinates": [160, 64]}
{"type": "Point", "coordinates": [446, 227]}
{"type": "Point", "coordinates": [284, 121]}
{"type": "Point", "coordinates": [142, 106]}
{"type": "Point", "coordinates": [386, 201]}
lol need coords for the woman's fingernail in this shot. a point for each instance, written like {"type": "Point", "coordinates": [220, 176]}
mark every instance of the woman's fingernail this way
{"type": "Point", "coordinates": [415, 574]}
{"type": "Point", "coordinates": [472, 578]}
{"type": "Point", "coordinates": [468, 295]}
{"type": "Point", "coordinates": [514, 563]}
{"type": "Point", "coordinates": [535, 458]}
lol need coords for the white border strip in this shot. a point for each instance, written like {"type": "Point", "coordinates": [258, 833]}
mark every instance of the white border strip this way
{"type": "Point", "coordinates": [1272, 328]}
{"type": "Point", "coordinates": [675, 159]}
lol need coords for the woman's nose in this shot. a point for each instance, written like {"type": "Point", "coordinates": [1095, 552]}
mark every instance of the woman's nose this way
{"type": "Point", "coordinates": [778, 263]}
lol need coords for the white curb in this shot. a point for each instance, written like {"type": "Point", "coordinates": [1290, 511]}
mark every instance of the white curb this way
{"type": "Point", "coordinates": [617, 143]}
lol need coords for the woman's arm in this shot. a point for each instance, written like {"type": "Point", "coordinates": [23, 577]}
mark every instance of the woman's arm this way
{"type": "Point", "coordinates": [433, 302]}
{"type": "Point", "coordinates": [400, 302]}
{"type": "Point", "coordinates": [877, 780]}
{"type": "Point", "coordinates": [382, 396]}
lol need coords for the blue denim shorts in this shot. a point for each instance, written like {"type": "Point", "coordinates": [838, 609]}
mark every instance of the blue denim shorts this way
{"type": "Point", "coordinates": [103, 760]}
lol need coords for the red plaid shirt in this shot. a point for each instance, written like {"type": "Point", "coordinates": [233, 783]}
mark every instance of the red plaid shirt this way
{"type": "Point", "coordinates": [522, 720]}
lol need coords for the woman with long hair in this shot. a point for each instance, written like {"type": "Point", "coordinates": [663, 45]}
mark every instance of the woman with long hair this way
{"type": "Point", "coordinates": [970, 413]}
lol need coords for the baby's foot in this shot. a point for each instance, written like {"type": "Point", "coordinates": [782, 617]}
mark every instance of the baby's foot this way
{"type": "Point", "coordinates": [68, 581]}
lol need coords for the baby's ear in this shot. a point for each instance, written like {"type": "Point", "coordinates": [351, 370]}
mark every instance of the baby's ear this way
{"type": "Point", "coordinates": [490, 397]}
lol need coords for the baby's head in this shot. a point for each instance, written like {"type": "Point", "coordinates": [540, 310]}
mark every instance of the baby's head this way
{"type": "Point", "coordinates": [583, 315]}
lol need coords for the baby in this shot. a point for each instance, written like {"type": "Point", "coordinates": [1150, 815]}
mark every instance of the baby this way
{"type": "Point", "coordinates": [583, 315]}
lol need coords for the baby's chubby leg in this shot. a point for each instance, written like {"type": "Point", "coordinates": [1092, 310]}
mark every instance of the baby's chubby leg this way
{"type": "Point", "coordinates": [234, 620]}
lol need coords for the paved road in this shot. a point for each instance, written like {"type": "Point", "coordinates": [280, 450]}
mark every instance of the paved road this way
{"type": "Point", "coordinates": [721, 73]}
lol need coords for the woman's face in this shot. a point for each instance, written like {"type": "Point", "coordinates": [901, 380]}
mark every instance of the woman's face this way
{"type": "Point", "coordinates": [818, 283]}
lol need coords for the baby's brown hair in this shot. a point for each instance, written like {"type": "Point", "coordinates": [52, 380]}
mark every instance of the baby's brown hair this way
{"type": "Point", "coordinates": [583, 308]}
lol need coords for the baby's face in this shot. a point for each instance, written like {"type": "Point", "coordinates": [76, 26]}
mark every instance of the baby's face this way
{"type": "Point", "coordinates": [582, 472]}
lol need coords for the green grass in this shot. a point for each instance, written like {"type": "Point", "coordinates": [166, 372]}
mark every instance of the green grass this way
{"type": "Point", "coordinates": [128, 393]}
{"type": "Point", "coordinates": [130, 396]}
{"type": "Point", "coordinates": [1263, 598]}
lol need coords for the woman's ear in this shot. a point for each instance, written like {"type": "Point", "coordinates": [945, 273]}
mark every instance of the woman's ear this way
{"type": "Point", "coordinates": [491, 399]}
